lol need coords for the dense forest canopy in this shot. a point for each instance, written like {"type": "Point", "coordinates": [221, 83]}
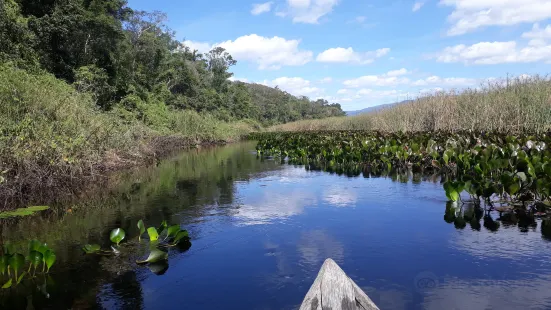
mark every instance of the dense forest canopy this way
{"type": "Point", "coordinates": [131, 63]}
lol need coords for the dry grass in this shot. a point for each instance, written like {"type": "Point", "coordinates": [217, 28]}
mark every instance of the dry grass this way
{"type": "Point", "coordinates": [513, 106]}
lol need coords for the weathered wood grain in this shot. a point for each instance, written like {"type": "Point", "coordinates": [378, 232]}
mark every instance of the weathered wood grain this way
{"type": "Point", "coordinates": [334, 290]}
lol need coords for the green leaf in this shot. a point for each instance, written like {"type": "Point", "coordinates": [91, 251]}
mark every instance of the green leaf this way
{"type": "Point", "coordinates": [156, 255]}
{"type": "Point", "coordinates": [513, 188]}
{"type": "Point", "coordinates": [34, 245]}
{"type": "Point", "coordinates": [117, 235]}
{"type": "Point", "coordinates": [162, 228]}
{"type": "Point", "coordinates": [49, 259]}
{"type": "Point", "coordinates": [4, 264]}
{"type": "Point", "coordinates": [451, 191]}
{"type": "Point", "coordinates": [478, 170]}
{"type": "Point", "coordinates": [91, 248]}
{"type": "Point", "coordinates": [35, 258]}
{"type": "Point", "coordinates": [7, 284]}
{"type": "Point", "coordinates": [21, 277]}
{"type": "Point", "coordinates": [16, 262]}
{"type": "Point", "coordinates": [172, 231]}
{"type": "Point", "coordinates": [522, 176]}
{"type": "Point", "coordinates": [180, 236]}
{"type": "Point", "coordinates": [9, 249]}
{"type": "Point", "coordinates": [141, 227]}
{"type": "Point", "coordinates": [42, 248]}
{"type": "Point", "coordinates": [152, 232]}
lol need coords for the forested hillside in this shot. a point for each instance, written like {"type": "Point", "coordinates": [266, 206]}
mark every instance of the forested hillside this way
{"type": "Point", "coordinates": [131, 63]}
{"type": "Point", "coordinates": [92, 85]}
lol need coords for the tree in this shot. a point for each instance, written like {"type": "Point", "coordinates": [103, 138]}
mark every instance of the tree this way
{"type": "Point", "coordinates": [218, 63]}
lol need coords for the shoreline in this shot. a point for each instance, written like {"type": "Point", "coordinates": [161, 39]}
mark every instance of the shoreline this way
{"type": "Point", "coordinates": [70, 184]}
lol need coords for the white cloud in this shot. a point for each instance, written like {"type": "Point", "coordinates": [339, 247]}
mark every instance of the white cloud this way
{"type": "Point", "coordinates": [433, 90]}
{"type": "Point", "coordinates": [469, 15]}
{"type": "Point", "coordinates": [295, 85]}
{"type": "Point", "coordinates": [489, 53]}
{"type": "Point", "coordinates": [342, 91]}
{"type": "Point", "coordinates": [360, 19]}
{"type": "Point", "coordinates": [417, 6]}
{"type": "Point", "coordinates": [538, 36]}
{"type": "Point", "coordinates": [366, 93]}
{"type": "Point", "coordinates": [445, 82]}
{"type": "Point", "coordinates": [233, 79]}
{"type": "Point", "coordinates": [348, 55]}
{"type": "Point", "coordinates": [202, 47]}
{"type": "Point", "coordinates": [259, 8]}
{"type": "Point", "coordinates": [326, 80]}
{"type": "Point", "coordinates": [267, 53]}
{"type": "Point", "coordinates": [307, 11]}
{"type": "Point", "coordinates": [398, 72]}
{"type": "Point", "coordinates": [390, 78]}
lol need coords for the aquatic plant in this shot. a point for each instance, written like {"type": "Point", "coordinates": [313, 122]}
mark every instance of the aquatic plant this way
{"type": "Point", "coordinates": [12, 262]}
{"type": "Point", "coordinates": [160, 240]}
{"type": "Point", "coordinates": [488, 166]}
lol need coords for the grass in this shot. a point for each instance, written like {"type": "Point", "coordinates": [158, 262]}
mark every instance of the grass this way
{"type": "Point", "coordinates": [53, 139]}
{"type": "Point", "coordinates": [518, 105]}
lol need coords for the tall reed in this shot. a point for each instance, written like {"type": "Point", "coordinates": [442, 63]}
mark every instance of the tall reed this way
{"type": "Point", "coordinates": [517, 105]}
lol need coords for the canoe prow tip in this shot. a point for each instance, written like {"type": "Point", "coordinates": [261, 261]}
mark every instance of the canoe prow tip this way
{"type": "Point", "coordinates": [333, 289]}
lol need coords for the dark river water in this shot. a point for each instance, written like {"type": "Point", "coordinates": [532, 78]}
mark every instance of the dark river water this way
{"type": "Point", "coordinates": [260, 231]}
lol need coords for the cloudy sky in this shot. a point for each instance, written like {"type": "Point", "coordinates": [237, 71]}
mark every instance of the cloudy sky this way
{"type": "Point", "coordinates": [362, 53]}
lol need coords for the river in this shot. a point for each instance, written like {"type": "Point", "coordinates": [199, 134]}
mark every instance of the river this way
{"type": "Point", "coordinates": [260, 231]}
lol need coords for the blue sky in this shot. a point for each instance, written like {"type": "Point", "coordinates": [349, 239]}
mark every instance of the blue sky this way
{"type": "Point", "coordinates": [362, 53]}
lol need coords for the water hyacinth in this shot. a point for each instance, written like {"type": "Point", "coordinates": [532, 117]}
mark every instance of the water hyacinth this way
{"type": "Point", "coordinates": [491, 167]}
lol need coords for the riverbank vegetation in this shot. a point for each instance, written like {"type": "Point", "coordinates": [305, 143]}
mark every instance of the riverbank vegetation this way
{"type": "Point", "coordinates": [91, 86]}
{"type": "Point", "coordinates": [515, 105]}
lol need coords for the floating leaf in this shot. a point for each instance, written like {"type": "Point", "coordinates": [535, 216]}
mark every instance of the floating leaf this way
{"type": "Point", "coordinates": [152, 232]}
{"type": "Point", "coordinates": [117, 235]}
{"type": "Point", "coordinates": [7, 284]}
{"type": "Point", "coordinates": [141, 227]}
{"type": "Point", "coordinates": [181, 235]}
{"type": "Point", "coordinates": [172, 231]}
{"type": "Point", "coordinates": [49, 259]}
{"type": "Point", "coordinates": [156, 255]}
{"type": "Point", "coordinates": [158, 268]}
{"type": "Point", "coordinates": [91, 248]}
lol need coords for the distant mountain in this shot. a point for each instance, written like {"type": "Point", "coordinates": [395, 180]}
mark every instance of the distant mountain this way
{"type": "Point", "coordinates": [375, 108]}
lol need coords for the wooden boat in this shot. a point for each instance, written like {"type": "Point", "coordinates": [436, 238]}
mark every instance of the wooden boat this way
{"type": "Point", "coordinates": [334, 290]}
